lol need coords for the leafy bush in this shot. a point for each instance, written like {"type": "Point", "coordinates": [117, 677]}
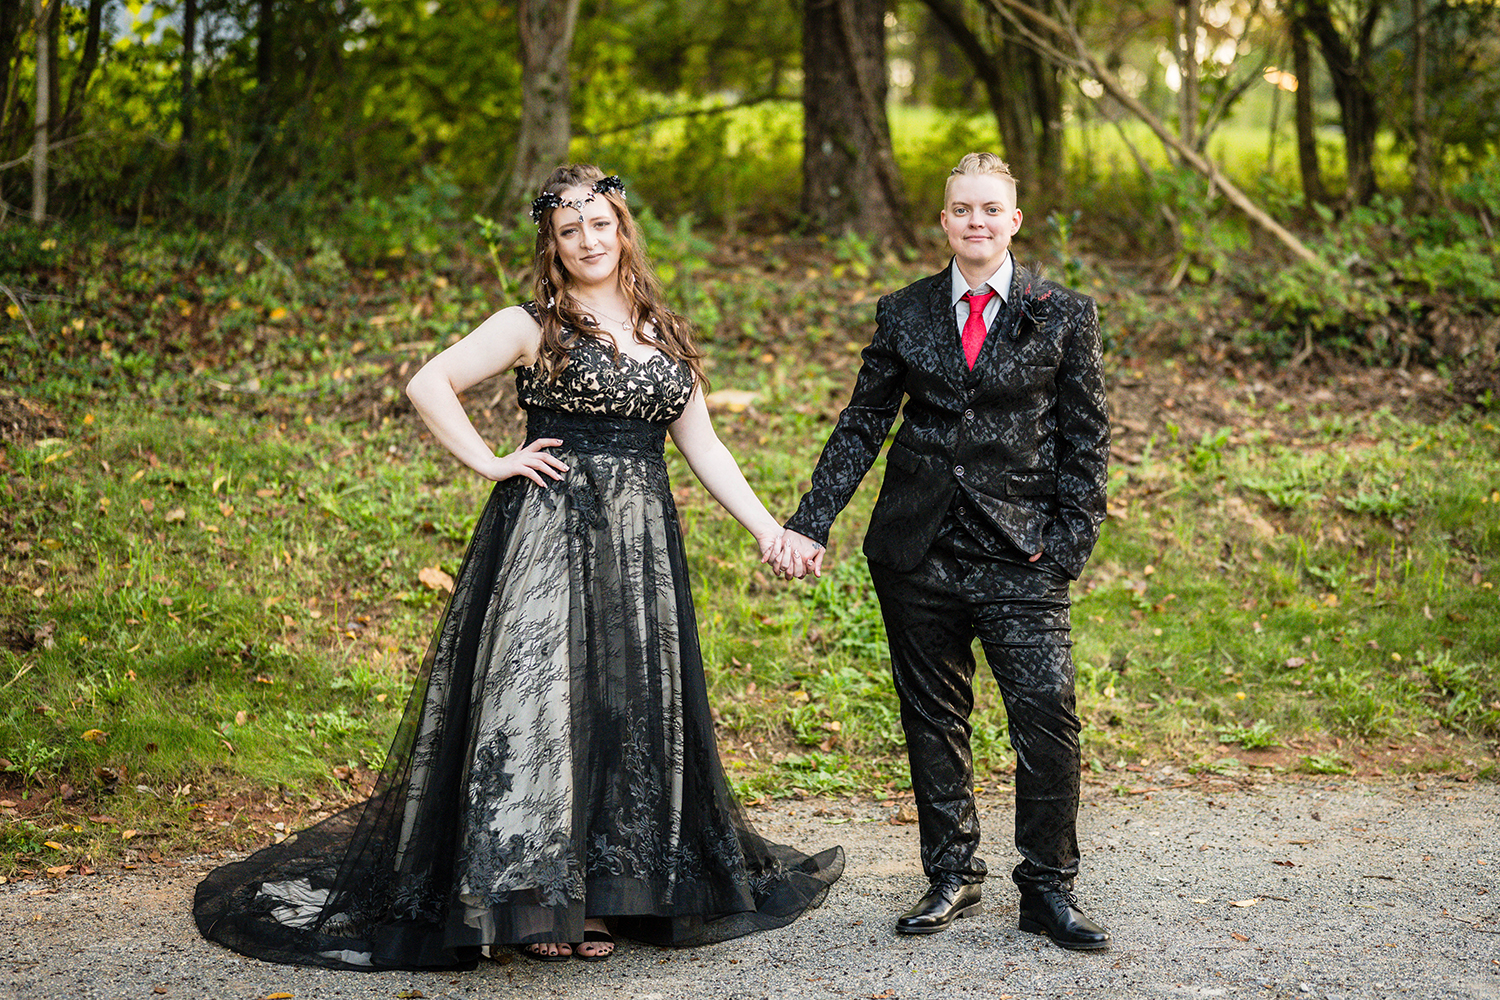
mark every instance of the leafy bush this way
{"type": "Point", "coordinates": [418, 220]}
{"type": "Point", "coordinates": [1381, 275]}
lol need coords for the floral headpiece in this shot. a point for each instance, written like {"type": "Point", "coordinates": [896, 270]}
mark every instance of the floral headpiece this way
{"type": "Point", "coordinates": [549, 200]}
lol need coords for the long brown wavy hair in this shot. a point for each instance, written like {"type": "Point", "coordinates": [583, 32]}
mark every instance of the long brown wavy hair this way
{"type": "Point", "coordinates": [565, 323]}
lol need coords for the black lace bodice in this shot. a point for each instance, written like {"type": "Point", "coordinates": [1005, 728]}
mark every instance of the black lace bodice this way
{"type": "Point", "coordinates": [596, 381]}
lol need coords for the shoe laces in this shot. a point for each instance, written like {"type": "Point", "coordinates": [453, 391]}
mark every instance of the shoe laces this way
{"type": "Point", "coordinates": [1066, 895]}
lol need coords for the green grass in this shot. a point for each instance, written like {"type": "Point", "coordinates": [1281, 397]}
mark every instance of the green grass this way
{"type": "Point", "coordinates": [216, 516]}
{"type": "Point", "coordinates": [206, 586]}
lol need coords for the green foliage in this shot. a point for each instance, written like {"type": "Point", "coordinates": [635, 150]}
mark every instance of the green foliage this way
{"type": "Point", "coordinates": [1325, 764]}
{"type": "Point", "coordinates": [1258, 735]}
{"type": "Point", "coordinates": [419, 220]}
{"type": "Point", "coordinates": [1380, 271]}
{"type": "Point", "coordinates": [736, 168]}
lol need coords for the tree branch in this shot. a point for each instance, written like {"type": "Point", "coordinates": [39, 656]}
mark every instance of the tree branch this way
{"type": "Point", "coordinates": [1083, 59]}
{"type": "Point", "coordinates": [667, 116]}
{"type": "Point", "coordinates": [19, 308]}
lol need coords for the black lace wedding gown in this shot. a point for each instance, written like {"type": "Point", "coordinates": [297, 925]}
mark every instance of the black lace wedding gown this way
{"type": "Point", "coordinates": [556, 759]}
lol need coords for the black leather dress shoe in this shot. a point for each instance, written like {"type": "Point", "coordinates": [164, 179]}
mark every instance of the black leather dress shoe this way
{"type": "Point", "coordinates": [1054, 912]}
{"type": "Point", "coordinates": [944, 903]}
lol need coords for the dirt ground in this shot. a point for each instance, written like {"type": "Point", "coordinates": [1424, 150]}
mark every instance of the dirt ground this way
{"type": "Point", "coordinates": [1278, 888]}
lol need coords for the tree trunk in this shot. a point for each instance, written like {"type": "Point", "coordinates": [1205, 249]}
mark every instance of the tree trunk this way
{"type": "Point", "coordinates": [1007, 103]}
{"type": "Point", "coordinates": [850, 182]}
{"type": "Point", "coordinates": [189, 57]}
{"type": "Point", "coordinates": [1043, 83]}
{"type": "Point", "coordinates": [187, 158]}
{"type": "Point", "coordinates": [10, 29]}
{"type": "Point", "coordinates": [1349, 69]}
{"type": "Point", "coordinates": [45, 9]}
{"type": "Point", "coordinates": [54, 104]}
{"type": "Point", "coordinates": [1422, 154]}
{"type": "Point", "coordinates": [1313, 190]}
{"type": "Point", "coordinates": [265, 42]}
{"type": "Point", "coordinates": [73, 115]}
{"type": "Point", "coordinates": [546, 95]}
{"type": "Point", "coordinates": [1187, 63]}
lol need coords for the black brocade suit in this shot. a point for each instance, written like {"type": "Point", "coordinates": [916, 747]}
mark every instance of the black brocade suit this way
{"type": "Point", "coordinates": [988, 467]}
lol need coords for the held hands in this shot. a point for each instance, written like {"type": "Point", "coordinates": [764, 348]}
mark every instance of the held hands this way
{"type": "Point", "coordinates": [792, 556]}
{"type": "Point", "coordinates": [531, 461]}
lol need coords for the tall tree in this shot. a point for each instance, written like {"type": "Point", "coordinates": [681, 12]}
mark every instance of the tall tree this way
{"type": "Point", "coordinates": [187, 161]}
{"type": "Point", "coordinates": [265, 61]}
{"type": "Point", "coordinates": [1422, 151]}
{"type": "Point", "coordinates": [1307, 136]}
{"type": "Point", "coordinates": [1348, 53]}
{"type": "Point", "coordinates": [84, 73]}
{"type": "Point", "coordinates": [10, 34]}
{"type": "Point", "coordinates": [850, 181]}
{"type": "Point", "coordinates": [189, 61]}
{"type": "Point", "coordinates": [1185, 46]}
{"type": "Point", "coordinates": [547, 28]}
{"type": "Point", "coordinates": [46, 49]}
{"type": "Point", "coordinates": [1024, 93]}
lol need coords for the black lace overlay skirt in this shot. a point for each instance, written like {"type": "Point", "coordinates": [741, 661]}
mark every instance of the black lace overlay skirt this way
{"type": "Point", "coordinates": [556, 759]}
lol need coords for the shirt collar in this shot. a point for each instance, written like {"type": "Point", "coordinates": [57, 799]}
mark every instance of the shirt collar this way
{"type": "Point", "coordinates": [999, 281]}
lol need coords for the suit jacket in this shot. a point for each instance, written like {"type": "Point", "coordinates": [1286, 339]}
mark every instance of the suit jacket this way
{"type": "Point", "coordinates": [1019, 444]}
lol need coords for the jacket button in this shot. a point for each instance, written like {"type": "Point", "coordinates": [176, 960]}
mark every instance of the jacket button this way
{"type": "Point", "coordinates": [959, 471]}
{"type": "Point", "coordinates": [968, 414]}
{"type": "Point", "coordinates": [962, 512]}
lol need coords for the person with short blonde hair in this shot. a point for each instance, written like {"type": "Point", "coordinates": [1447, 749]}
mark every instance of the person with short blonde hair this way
{"type": "Point", "coordinates": [993, 496]}
{"type": "Point", "coordinates": [979, 164]}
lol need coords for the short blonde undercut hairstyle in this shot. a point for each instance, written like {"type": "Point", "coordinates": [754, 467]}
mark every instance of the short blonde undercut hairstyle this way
{"type": "Point", "coordinates": [980, 163]}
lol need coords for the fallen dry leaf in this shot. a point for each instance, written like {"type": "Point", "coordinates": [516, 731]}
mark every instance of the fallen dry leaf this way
{"type": "Point", "coordinates": [97, 736]}
{"type": "Point", "coordinates": [731, 400]}
{"type": "Point", "coordinates": [1244, 902]}
{"type": "Point", "coordinates": [45, 635]}
{"type": "Point", "coordinates": [435, 578]}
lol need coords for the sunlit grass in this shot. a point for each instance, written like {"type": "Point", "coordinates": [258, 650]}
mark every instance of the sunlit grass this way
{"type": "Point", "coordinates": [209, 587]}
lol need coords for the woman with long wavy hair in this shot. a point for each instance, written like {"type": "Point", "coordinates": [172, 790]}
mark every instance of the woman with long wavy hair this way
{"type": "Point", "coordinates": [554, 780]}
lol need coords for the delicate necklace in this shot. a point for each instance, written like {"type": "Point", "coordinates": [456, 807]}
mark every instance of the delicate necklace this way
{"type": "Point", "coordinates": [624, 324]}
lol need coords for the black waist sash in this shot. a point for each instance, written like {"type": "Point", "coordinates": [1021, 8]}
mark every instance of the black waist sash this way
{"type": "Point", "coordinates": [589, 433]}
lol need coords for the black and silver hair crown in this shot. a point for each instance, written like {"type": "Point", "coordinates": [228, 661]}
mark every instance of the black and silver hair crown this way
{"type": "Point", "coordinates": [549, 200]}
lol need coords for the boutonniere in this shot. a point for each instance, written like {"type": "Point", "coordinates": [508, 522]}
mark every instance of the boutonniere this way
{"type": "Point", "coordinates": [1030, 306]}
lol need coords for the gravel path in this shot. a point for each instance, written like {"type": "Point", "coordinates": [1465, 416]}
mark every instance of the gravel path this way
{"type": "Point", "coordinates": [1285, 889]}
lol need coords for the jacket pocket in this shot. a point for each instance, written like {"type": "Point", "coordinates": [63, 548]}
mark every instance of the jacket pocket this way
{"type": "Point", "coordinates": [1021, 526]}
{"type": "Point", "coordinates": [1030, 484]}
{"type": "Point", "coordinates": [903, 458]}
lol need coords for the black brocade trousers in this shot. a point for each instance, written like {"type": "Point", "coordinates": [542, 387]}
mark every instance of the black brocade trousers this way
{"type": "Point", "coordinates": [1021, 615]}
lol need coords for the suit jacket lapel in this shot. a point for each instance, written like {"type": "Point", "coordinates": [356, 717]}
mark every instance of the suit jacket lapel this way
{"type": "Point", "coordinates": [948, 342]}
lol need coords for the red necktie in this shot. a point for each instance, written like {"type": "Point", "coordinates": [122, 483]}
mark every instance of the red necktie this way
{"type": "Point", "coordinates": [974, 329]}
